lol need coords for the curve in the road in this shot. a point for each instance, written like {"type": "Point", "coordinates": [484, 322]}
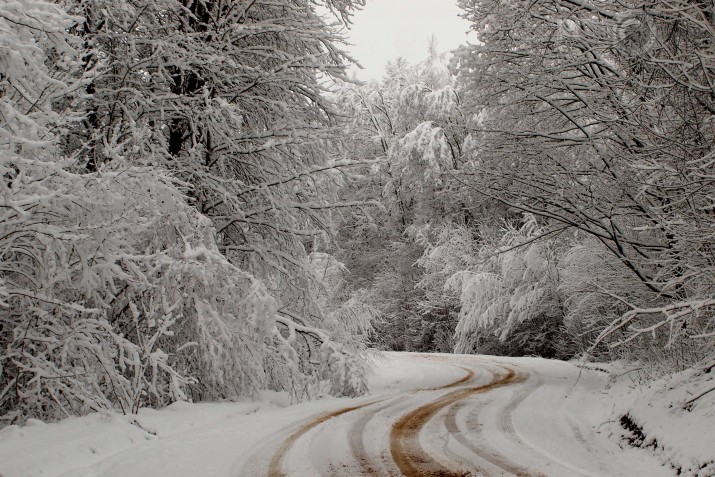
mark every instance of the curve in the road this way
{"type": "Point", "coordinates": [275, 468]}
{"type": "Point", "coordinates": [407, 452]}
{"type": "Point", "coordinates": [368, 466]}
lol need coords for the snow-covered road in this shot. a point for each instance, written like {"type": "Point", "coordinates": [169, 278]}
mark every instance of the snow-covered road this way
{"type": "Point", "coordinates": [523, 417]}
{"type": "Point", "coordinates": [427, 415]}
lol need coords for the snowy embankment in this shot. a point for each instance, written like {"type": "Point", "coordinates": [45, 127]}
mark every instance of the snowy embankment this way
{"type": "Point", "coordinates": [673, 417]}
{"type": "Point", "coordinates": [506, 416]}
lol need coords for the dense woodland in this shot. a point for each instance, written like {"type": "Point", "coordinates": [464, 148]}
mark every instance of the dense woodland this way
{"type": "Point", "coordinates": [198, 203]}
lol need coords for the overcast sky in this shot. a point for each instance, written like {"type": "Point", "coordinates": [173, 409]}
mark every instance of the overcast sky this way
{"type": "Point", "coordinates": [386, 29]}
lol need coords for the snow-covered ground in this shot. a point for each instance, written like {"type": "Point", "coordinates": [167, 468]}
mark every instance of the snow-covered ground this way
{"type": "Point", "coordinates": [425, 415]}
{"type": "Point", "coordinates": [673, 417]}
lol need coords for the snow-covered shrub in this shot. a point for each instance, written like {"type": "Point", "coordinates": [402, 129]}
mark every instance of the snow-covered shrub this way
{"type": "Point", "coordinates": [90, 268]}
{"type": "Point", "coordinates": [67, 256]}
{"type": "Point", "coordinates": [511, 293]}
{"type": "Point", "coordinates": [348, 320]}
{"type": "Point", "coordinates": [593, 281]}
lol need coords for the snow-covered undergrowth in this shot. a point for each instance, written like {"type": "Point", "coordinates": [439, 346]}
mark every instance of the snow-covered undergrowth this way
{"type": "Point", "coordinates": [671, 417]}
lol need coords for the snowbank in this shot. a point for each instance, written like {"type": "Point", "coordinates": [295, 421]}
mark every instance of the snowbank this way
{"type": "Point", "coordinates": [39, 449]}
{"type": "Point", "coordinates": [674, 417]}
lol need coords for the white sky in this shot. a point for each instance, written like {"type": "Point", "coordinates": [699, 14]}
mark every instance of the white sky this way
{"type": "Point", "coordinates": [386, 29]}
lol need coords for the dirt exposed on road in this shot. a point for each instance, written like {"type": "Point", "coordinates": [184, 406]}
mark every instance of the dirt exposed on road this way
{"type": "Point", "coordinates": [406, 450]}
{"type": "Point", "coordinates": [368, 466]}
{"type": "Point", "coordinates": [275, 468]}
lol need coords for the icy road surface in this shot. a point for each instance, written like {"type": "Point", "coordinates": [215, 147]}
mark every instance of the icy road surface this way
{"type": "Point", "coordinates": [427, 415]}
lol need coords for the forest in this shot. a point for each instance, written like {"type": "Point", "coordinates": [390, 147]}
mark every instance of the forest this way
{"type": "Point", "coordinates": [198, 202]}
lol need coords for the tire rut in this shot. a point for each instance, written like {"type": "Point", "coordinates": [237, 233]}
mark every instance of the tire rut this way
{"type": "Point", "coordinates": [450, 422]}
{"type": "Point", "coordinates": [368, 466]}
{"type": "Point", "coordinates": [275, 468]}
{"type": "Point", "coordinates": [357, 445]}
{"type": "Point", "coordinates": [408, 454]}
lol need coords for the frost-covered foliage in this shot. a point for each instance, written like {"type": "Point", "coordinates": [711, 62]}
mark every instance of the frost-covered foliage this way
{"type": "Point", "coordinates": [597, 117]}
{"type": "Point", "coordinates": [349, 321]}
{"type": "Point", "coordinates": [593, 119]}
{"type": "Point", "coordinates": [600, 292]}
{"type": "Point", "coordinates": [510, 291]}
{"type": "Point", "coordinates": [116, 289]}
{"type": "Point", "coordinates": [453, 249]}
{"type": "Point", "coordinates": [33, 34]}
{"type": "Point", "coordinates": [420, 158]}
{"type": "Point", "coordinates": [117, 295]}
{"type": "Point", "coordinates": [412, 124]}
{"type": "Point", "coordinates": [598, 288]}
{"type": "Point", "coordinates": [231, 97]}
{"type": "Point", "coordinates": [89, 271]}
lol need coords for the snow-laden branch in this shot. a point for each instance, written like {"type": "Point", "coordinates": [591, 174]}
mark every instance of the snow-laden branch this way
{"type": "Point", "coordinates": [674, 315]}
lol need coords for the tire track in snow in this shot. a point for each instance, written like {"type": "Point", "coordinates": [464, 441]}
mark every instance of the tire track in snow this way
{"type": "Point", "coordinates": [407, 452]}
{"type": "Point", "coordinates": [506, 423]}
{"type": "Point", "coordinates": [357, 432]}
{"type": "Point", "coordinates": [450, 422]}
{"type": "Point", "coordinates": [507, 420]}
{"type": "Point", "coordinates": [367, 465]}
{"type": "Point", "coordinates": [275, 468]}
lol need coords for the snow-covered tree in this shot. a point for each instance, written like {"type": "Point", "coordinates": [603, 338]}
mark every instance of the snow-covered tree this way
{"type": "Point", "coordinates": [231, 97]}
{"type": "Point", "coordinates": [411, 125]}
{"type": "Point", "coordinates": [453, 249]}
{"type": "Point", "coordinates": [156, 213]}
{"type": "Point", "coordinates": [596, 116]}
{"type": "Point", "coordinates": [507, 290]}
